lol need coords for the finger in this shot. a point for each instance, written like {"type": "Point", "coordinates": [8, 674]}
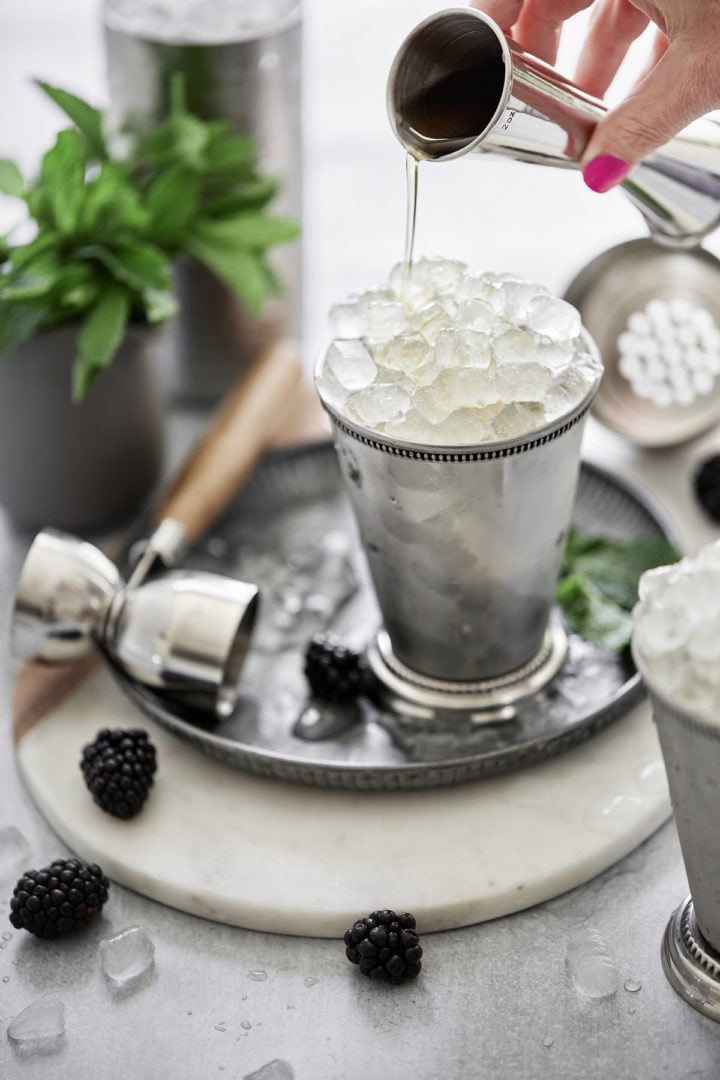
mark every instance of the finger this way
{"type": "Point", "coordinates": [504, 12]}
{"type": "Point", "coordinates": [683, 85]}
{"type": "Point", "coordinates": [657, 51]}
{"type": "Point", "coordinates": [540, 23]}
{"type": "Point", "coordinates": [614, 25]}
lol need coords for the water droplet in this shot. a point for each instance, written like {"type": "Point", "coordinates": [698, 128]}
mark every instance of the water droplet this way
{"type": "Point", "coordinates": [632, 985]}
{"type": "Point", "coordinates": [651, 778]}
{"type": "Point", "coordinates": [217, 547]}
{"type": "Point", "coordinates": [615, 816]}
{"type": "Point", "coordinates": [311, 980]}
{"type": "Point", "coordinates": [189, 1012]}
{"type": "Point", "coordinates": [3, 944]}
{"type": "Point", "coordinates": [631, 1012]}
{"type": "Point", "coordinates": [244, 997]}
{"type": "Point", "coordinates": [6, 936]}
{"type": "Point", "coordinates": [6, 978]}
{"type": "Point", "coordinates": [548, 1040]}
{"type": "Point", "coordinates": [245, 1025]}
{"type": "Point", "coordinates": [257, 975]}
{"type": "Point", "coordinates": [222, 1026]}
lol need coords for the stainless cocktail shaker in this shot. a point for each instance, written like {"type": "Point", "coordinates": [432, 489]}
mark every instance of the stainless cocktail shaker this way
{"type": "Point", "coordinates": [459, 86]}
{"type": "Point", "coordinates": [242, 62]}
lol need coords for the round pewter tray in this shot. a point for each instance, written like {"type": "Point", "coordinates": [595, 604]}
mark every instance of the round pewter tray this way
{"type": "Point", "coordinates": [615, 285]}
{"type": "Point", "coordinates": [292, 533]}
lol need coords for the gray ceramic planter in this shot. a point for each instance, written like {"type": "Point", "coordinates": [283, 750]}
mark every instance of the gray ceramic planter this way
{"type": "Point", "coordinates": [78, 467]}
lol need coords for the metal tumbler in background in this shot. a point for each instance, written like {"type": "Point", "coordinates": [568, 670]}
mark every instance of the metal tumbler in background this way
{"type": "Point", "coordinates": [464, 546]}
{"type": "Point", "coordinates": [242, 62]}
{"type": "Point", "coordinates": [457, 85]}
{"type": "Point", "coordinates": [691, 750]}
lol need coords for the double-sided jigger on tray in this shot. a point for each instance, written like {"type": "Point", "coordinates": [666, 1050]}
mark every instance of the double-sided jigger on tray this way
{"type": "Point", "coordinates": [182, 633]}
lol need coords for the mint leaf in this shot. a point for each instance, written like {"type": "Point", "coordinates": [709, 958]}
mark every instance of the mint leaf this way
{"type": "Point", "coordinates": [592, 615]}
{"type": "Point", "coordinates": [99, 338]}
{"type": "Point", "coordinates": [32, 280]}
{"type": "Point", "coordinates": [241, 271]}
{"type": "Point", "coordinates": [18, 323]}
{"type": "Point", "coordinates": [615, 567]}
{"type": "Point", "coordinates": [63, 176]}
{"type": "Point", "coordinates": [171, 201]}
{"type": "Point", "coordinates": [87, 120]}
{"type": "Point", "coordinates": [160, 305]}
{"type": "Point", "coordinates": [110, 205]}
{"type": "Point", "coordinates": [137, 264]}
{"type": "Point", "coordinates": [251, 230]}
{"type": "Point", "coordinates": [252, 195]}
{"type": "Point", "coordinates": [11, 181]}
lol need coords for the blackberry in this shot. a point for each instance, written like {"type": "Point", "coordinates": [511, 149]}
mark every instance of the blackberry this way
{"type": "Point", "coordinates": [334, 672]}
{"type": "Point", "coordinates": [118, 769]}
{"type": "Point", "coordinates": [385, 946]}
{"type": "Point", "coordinates": [707, 486]}
{"type": "Point", "coordinates": [58, 899]}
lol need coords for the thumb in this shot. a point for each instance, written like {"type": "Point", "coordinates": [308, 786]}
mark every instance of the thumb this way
{"type": "Point", "coordinates": [675, 92]}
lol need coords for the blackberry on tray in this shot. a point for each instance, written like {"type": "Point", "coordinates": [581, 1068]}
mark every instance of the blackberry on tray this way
{"type": "Point", "coordinates": [334, 672]}
{"type": "Point", "coordinates": [385, 946]}
{"type": "Point", "coordinates": [119, 767]}
{"type": "Point", "coordinates": [59, 898]}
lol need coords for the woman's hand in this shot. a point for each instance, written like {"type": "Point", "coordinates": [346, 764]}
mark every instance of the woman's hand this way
{"type": "Point", "coordinates": [681, 80]}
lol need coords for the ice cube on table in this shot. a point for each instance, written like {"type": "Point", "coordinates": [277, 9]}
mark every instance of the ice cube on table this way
{"type": "Point", "coordinates": [553, 317]}
{"type": "Point", "coordinates": [43, 1019]}
{"type": "Point", "coordinates": [277, 1069]}
{"type": "Point", "coordinates": [14, 854]}
{"type": "Point", "coordinates": [378, 404]}
{"type": "Point", "coordinates": [351, 364]}
{"type": "Point", "coordinates": [463, 348]}
{"type": "Point", "coordinates": [127, 955]}
{"type": "Point", "coordinates": [385, 319]}
{"type": "Point", "coordinates": [406, 352]}
{"type": "Point", "coordinates": [349, 319]}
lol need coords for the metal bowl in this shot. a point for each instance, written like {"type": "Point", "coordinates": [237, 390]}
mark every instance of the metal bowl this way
{"type": "Point", "coordinates": [615, 285]}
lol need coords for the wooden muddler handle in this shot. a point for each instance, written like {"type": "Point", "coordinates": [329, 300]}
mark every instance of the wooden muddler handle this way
{"type": "Point", "coordinates": [241, 430]}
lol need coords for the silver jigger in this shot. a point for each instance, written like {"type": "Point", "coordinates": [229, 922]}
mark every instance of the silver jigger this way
{"type": "Point", "coordinates": [186, 633]}
{"type": "Point", "coordinates": [457, 86]}
{"type": "Point", "coordinates": [691, 750]}
{"type": "Point", "coordinates": [464, 546]}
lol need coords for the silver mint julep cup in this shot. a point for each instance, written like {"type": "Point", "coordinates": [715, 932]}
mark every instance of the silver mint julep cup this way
{"type": "Point", "coordinates": [691, 945]}
{"type": "Point", "coordinates": [464, 546]}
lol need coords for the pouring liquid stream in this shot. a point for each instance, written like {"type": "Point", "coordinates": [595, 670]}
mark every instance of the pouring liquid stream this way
{"type": "Point", "coordinates": [412, 168]}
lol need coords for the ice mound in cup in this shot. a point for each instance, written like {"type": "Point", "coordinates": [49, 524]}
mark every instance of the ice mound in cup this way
{"type": "Point", "coordinates": [676, 636]}
{"type": "Point", "coordinates": [447, 356]}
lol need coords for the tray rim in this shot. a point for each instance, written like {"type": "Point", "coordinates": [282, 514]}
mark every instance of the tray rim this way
{"type": "Point", "coordinates": [410, 775]}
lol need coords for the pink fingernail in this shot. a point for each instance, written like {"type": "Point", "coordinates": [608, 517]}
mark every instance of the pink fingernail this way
{"type": "Point", "coordinates": [604, 172]}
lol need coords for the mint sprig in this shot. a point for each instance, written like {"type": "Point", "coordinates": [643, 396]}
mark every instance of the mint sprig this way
{"type": "Point", "coordinates": [109, 225]}
{"type": "Point", "coordinates": [598, 584]}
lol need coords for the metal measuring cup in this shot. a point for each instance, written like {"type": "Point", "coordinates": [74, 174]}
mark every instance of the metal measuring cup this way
{"type": "Point", "coordinates": [184, 633]}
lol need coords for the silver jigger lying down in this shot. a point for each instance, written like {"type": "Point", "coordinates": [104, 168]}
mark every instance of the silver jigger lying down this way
{"type": "Point", "coordinates": [186, 632]}
{"type": "Point", "coordinates": [183, 634]}
{"type": "Point", "coordinates": [458, 86]}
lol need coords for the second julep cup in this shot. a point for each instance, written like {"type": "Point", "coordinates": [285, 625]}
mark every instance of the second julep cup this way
{"type": "Point", "coordinates": [464, 543]}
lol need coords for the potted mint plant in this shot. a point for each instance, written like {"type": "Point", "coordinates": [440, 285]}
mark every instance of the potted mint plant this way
{"type": "Point", "coordinates": [80, 415]}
